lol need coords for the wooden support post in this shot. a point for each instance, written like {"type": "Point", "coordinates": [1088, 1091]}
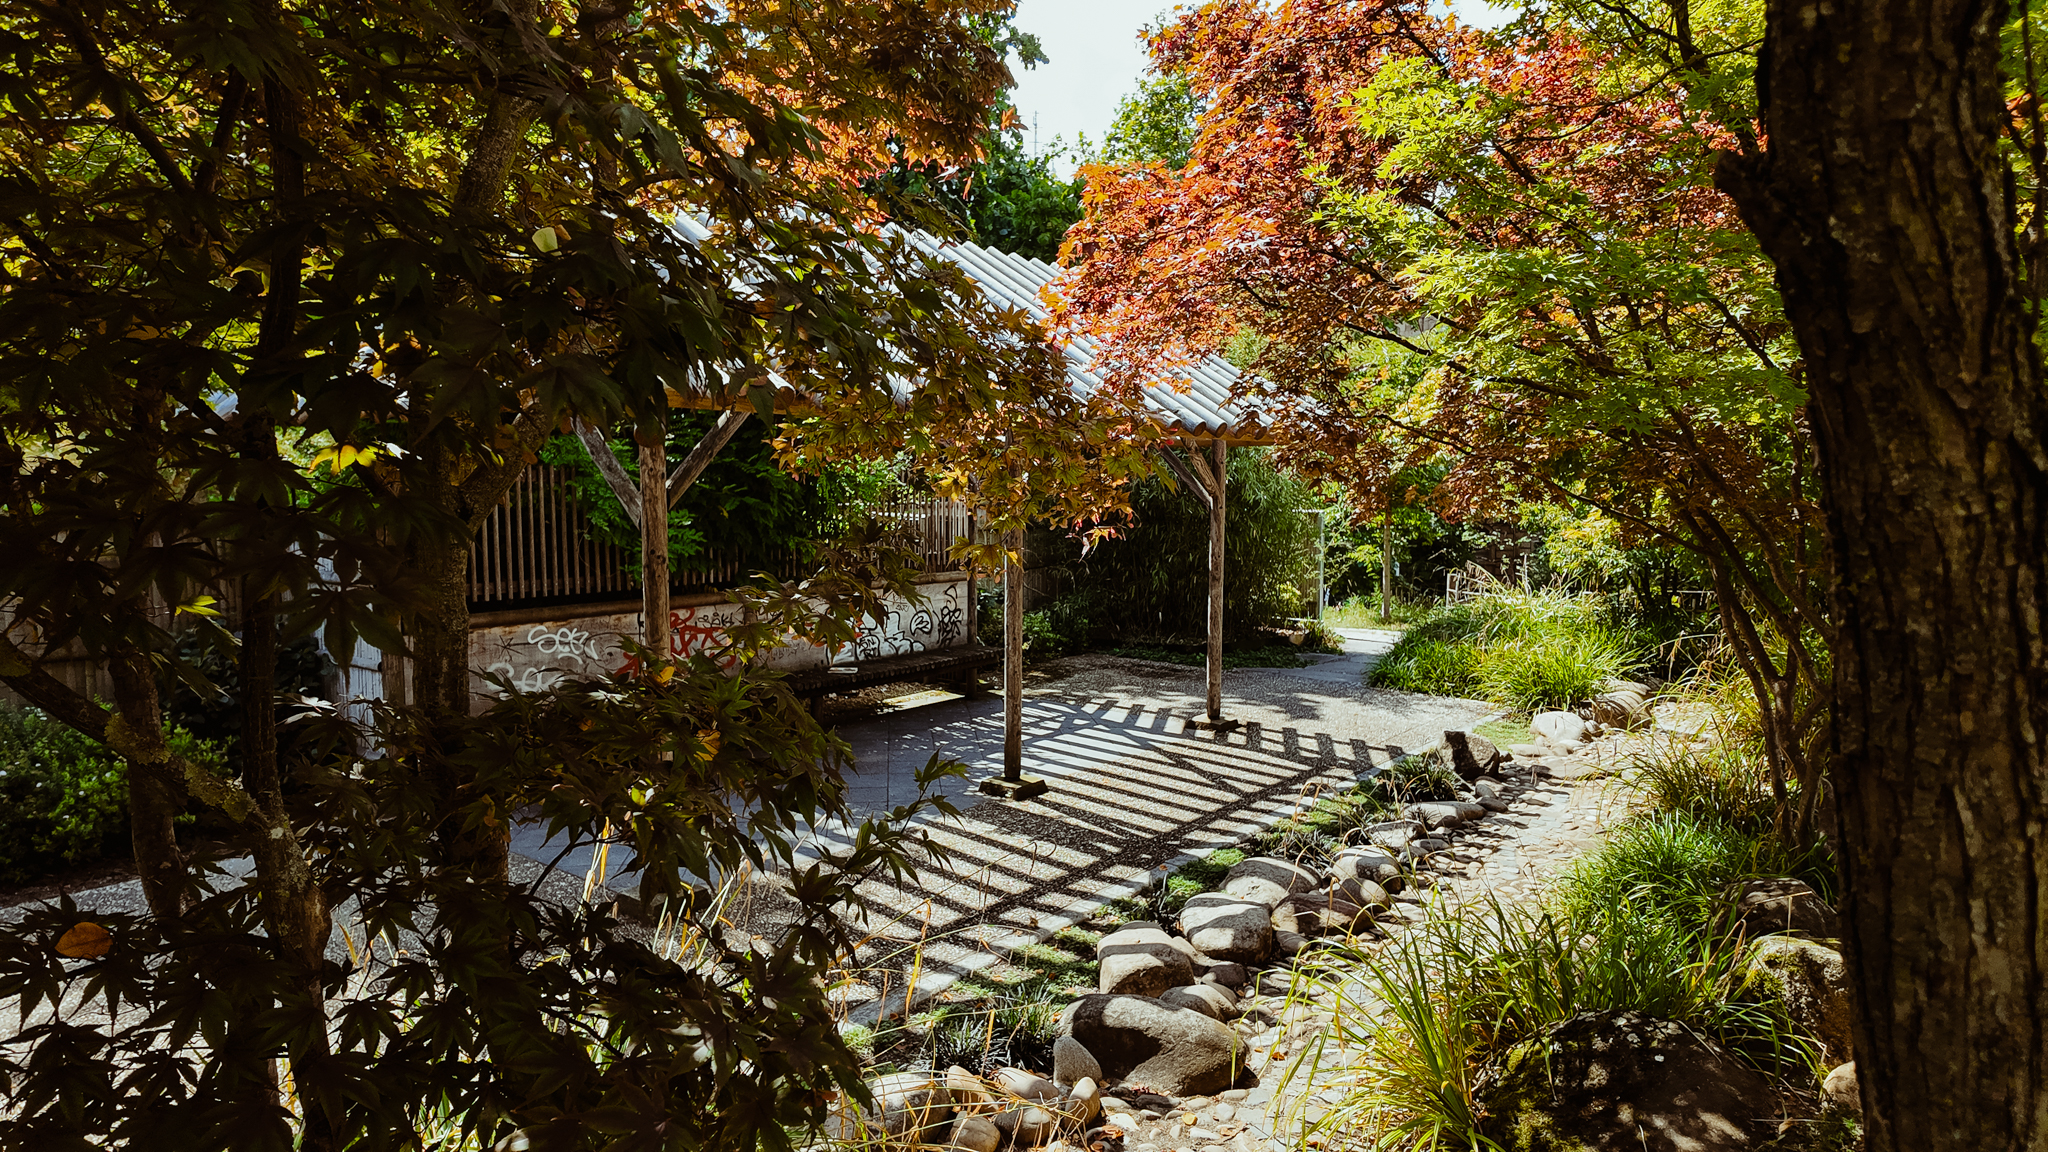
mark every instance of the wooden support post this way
{"type": "Point", "coordinates": [1220, 479]}
{"type": "Point", "coordinates": [1013, 655]}
{"type": "Point", "coordinates": [1013, 783]}
{"type": "Point", "coordinates": [700, 457]}
{"type": "Point", "coordinates": [654, 547]}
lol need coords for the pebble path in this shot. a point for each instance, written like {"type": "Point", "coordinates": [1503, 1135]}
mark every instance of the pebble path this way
{"type": "Point", "coordinates": [1556, 813]}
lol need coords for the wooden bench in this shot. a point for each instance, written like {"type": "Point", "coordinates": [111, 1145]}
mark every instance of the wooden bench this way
{"type": "Point", "coordinates": [962, 665]}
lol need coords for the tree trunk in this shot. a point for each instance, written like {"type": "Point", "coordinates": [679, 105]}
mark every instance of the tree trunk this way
{"type": "Point", "coordinates": [1888, 210]}
{"type": "Point", "coordinates": [153, 805]}
{"type": "Point", "coordinates": [654, 574]}
{"type": "Point", "coordinates": [1387, 568]}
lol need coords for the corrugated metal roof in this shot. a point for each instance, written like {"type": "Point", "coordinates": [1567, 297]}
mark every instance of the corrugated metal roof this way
{"type": "Point", "coordinates": [1195, 399]}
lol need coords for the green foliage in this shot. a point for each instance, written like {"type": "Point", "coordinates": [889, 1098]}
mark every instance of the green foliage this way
{"type": "Point", "coordinates": [1152, 580]}
{"type": "Point", "coordinates": [507, 1005]}
{"type": "Point", "coordinates": [1156, 124]}
{"type": "Point", "coordinates": [205, 698]}
{"type": "Point", "coordinates": [1553, 670]}
{"type": "Point", "coordinates": [1017, 203]}
{"type": "Point", "coordinates": [1412, 779]}
{"type": "Point", "coordinates": [1676, 865]}
{"type": "Point", "coordinates": [1009, 200]}
{"type": "Point", "coordinates": [63, 798]}
{"type": "Point", "coordinates": [1624, 932]}
{"type": "Point", "coordinates": [1424, 664]}
{"type": "Point", "coordinates": [1529, 651]}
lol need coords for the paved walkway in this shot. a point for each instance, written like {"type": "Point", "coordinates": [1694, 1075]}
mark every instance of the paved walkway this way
{"type": "Point", "coordinates": [1133, 793]}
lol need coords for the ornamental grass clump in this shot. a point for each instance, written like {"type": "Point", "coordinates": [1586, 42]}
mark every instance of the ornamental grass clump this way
{"type": "Point", "coordinates": [1526, 650]}
{"type": "Point", "coordinates": [1424, 1026]}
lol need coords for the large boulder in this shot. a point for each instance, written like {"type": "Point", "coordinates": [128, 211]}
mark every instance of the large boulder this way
{"type": "Point", "coordinates": [1367, 894]}
{"type": "Point", "coordinates": [1621, 704]}
{"type": "Point", "coordinates": [1392, 835]}
{"type": "Point", "coordinates": [1268, 880]}
{"type": "Point", "coordinates": [1365, 865]}
{"type": "Point", "coordinates": [1782, 904]}
{"type": "Point", "coordinates": [974, 1134]}
{"type": "Point", "coordinates": [1226, 927]}
{"type": "Point", "coordinates": [1173, 1050]}
{"type": "Point", "coordinates": [1316, 914]}
{"type": "Point", "coordinates": [1444, 813]}
{"type": "Point", "coordinates": [1813, 982]}
{"type": "Point", "coordinates": [1027, 1125]}
{"type": "Point", "coordinates": [914, 1107]}
{"type": "Point", "coordinates": [1558, 727]}
{"type": "Point", "coordinates": [1208, 999]}
{"type": "Point", "coordinates": [1142, 961]}
{"type": "Point", "coordinates": [1025, 1085]}
{"type": "Point", "coordinates": [1618, 1080]}
{"type": "Point", "coordinates": [1469, 754]}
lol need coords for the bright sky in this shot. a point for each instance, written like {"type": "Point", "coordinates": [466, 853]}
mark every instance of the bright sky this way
{"type": "Point", "coordinates": [1096, 60]}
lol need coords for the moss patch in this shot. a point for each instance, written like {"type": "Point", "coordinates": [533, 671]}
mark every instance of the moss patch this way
{"type": "Point", "coordinates": [1513, 730]}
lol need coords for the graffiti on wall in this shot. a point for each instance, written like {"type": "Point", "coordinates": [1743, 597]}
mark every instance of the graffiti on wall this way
{"type": "Point", "coordinates": [940, 621]}
{"type": "Point", "coordinates": [534, 658]}
{"type": "Point", "coordinates": [553, 652]}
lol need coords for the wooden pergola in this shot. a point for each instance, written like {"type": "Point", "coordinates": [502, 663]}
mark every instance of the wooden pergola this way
{"type": "Point", "coordinates": [1195, 406]}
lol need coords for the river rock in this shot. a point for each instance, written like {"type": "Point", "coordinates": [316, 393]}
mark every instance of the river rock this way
{"type": "Point", "coordinates": [1073, 1063]}
{"type": "Point", "coordinates": [1392, 835]}
{"type": "Point", "coordinates": [913, 1105]}
{"type": "Point", "coordinates": [1782, 904]}
{"type": "Point", "coordinates": [1268, 880]}
{"type": "Point", "coordinates": [1841, 1091]}
{"type": "Point", "coordinates": [1367, 894]}
{"type": "Point", "coordinates": [1625, 1080]}
{"type": "Point", "coordinates": [1027, 1126]}
{"type": "Point", "coordinates": [1374, 865]}
{"type": "Point", "coordinates": [1084, 1103]}
{"type": "Point", "coordinates": [1315, 914]}
{"type": "Point", "coordinates": [1289, 944]}
{"type": "Point", "coordinates": [1444, 813]}
{"type": "Point", "coordinates": [974, 1134]}
{"type": "Point", "coordinates": [1142, 961]}
{"type": "Point", "coordinates": [1469, 754]}
{"type": "Point", "coordinates": [1813, 982]}
{"type": "Point", "coordinates": [1208, 999]}
{"type": "Point", "coordinates": [1558, 727]}
{"type": "Point", "coordinates": [1177, 1051]}
{"type": "Point", "coordinates": [1228, 973]}
{"type": "Point", "coordinates": [1226, 928]}
{"type": "Point", "coordinates": [1620, 708]}
{"type": "Point", "coordinates": [966, 1088]}
{"type": "Point", "coordinates": [1025, 1085]}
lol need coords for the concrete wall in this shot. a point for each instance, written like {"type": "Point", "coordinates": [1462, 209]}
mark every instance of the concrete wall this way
{"type": "Point", "coordinates": [534, 650]}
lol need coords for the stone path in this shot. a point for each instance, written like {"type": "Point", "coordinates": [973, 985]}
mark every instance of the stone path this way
{"type": "Point", "coordinates": [1133, 793]}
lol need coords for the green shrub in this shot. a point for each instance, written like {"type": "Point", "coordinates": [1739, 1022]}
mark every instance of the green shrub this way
{"type": "Point", "coordinates": [1550, 668]}
{"type": "Point", "coordinates": [63, 798]}
{"type": "Point", "coordinates": [1424, 664]}
{"type": "Point", "coordinates": [1528, 651]}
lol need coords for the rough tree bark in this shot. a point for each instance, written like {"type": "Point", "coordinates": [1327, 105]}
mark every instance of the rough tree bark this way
{"type": "Point", "coordinates": [1890, 215]}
